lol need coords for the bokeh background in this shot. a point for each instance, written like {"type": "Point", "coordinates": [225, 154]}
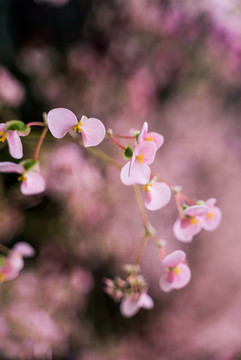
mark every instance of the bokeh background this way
{"type": "Point", "coordinates": [177, 65]}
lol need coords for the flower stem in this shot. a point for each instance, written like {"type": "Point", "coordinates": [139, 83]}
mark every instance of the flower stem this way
{"type": "Point", "coordinates": [36, 123]}
{"type": "Point", "coordinates": [117, 142]}
{"type": "Point", "coordinates": [97, 152]}
{"type": "Point", "coordinates": [40, 142]}
{"type": "Point", "coordinates": [148, 229]}
{"type": "Point", "coordinates": [140, 251]}
{"type": "Point", "coordinates": [123, 136]}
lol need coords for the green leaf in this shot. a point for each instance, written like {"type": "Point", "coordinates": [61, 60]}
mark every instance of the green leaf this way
{"type": "Point", "coordinates": [28, 164]}
{"type": "Point", "coordinates": [127, 154]}
{"type": "Point", "coordinates": [136, 135]}
{"type": "Point", "coordinates": [2, 260]}
{"type": "Point", "coordinates": [17, 125]}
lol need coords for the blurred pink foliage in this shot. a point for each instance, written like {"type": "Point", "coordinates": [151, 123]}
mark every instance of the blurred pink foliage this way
{"type": "Point", "coordinates": [177, 67]}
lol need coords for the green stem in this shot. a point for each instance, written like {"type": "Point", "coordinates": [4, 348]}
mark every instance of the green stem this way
{"type": "Point", "coordinates": [98, 153]}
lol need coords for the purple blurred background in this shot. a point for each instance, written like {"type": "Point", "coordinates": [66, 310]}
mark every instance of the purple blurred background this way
{"type": "Point", "coordinates": [176, 65]}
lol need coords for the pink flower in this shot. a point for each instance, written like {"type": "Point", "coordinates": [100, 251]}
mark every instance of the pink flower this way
{"type": "Point", "coordinates": [61, 121]}
{"type": "Point", "coordinates": [176, 274]}
{"type": "Point", "coordinates": [157, 194]}
{"type": "Point", "coordinates": [133, 303]}
{"type": "Point", "coordinates": [144, 135]}
{"type": "Point", "coordinates": [13, 263]}
{"type": "Point", "coordinates": [190, 224]}
{"type": "Point", "coordinates": [212, 218]}
{"type": "Point", "coordinates": [31, 181]}
{"type": "Point", "coordinates": [137, 171]}
{"type": "Point", "coordinates": [11, 91]}
{"type": "Point", "coordinates": [8, 132]}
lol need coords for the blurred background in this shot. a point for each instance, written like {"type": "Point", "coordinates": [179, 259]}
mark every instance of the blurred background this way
{"type": "Point", "coordinates": [177, 65]}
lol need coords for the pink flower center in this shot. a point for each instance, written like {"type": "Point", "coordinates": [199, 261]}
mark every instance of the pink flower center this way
{"type": "Point", "coordinates": [140, 158]}
{"type": "Point", "coordinates": [193, 221]}
{"type": "Point", "coordinates": [150, 138]}
{"type": "Point", "coordinates": [210, 215]}
{"type": "Point", "coordinates": [77, 127]}
{"type": "Point", "coordinates": [2, 277]}
{"type": "Point", "coordinates": [22, 177]}
{"type": "Point", "coordinates": [2, 136]}
{"type": "Point", "coordinates": [177, 270]}
{"type": "Point", "coordinates": [146, 187]}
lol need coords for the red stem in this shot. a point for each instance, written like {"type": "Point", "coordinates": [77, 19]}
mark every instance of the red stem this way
{"type": "Point", "coordinates": [116, 142]}
{"type": "Point", "coordinates": [188, 200]}
{"type": "Point", "coordinates": [36, 123]}
{"type": "Point", "coordinates": [124, 137]}
{"type": "Point", "coordinates": [41, 139]}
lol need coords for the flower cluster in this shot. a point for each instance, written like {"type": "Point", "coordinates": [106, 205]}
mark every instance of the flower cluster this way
{"type": "Point", "coordinates": [137, 170]}
{"type": "Point", "coordinates": [202, 215]}
{"type": "Point", "coordinates": [131, 289]}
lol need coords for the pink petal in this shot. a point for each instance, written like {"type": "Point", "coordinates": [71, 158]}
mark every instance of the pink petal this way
{"type": "Point", "coordinates": [164, 284]}
{"type": "Point", "coordinates": [158, 139]}
{"type": "Point", "coordinates": [145, 301]}
{"type": "Point", "coordinates": [143, 132]}
{"type": "Point", "coordinates": [195, 210]}
{"type": "Point", "coordinates": [34, 184]}
{"type": "Point", "coordinates": [184, 230]}
{"type": "Point", "coordinates": [140, 174]}
{"type": "Point", "coordinates": [129, 307]}
{"type": "Point", "coordinates": [2, 127]}
{"type": "Point", "coordinates": [171, 280]}
{"type": "Point", "coordinates": [211, 220]}
{"type": "Point", "coordinates": [61, 121]}
{"type": "Point", "coordinates": [93, 132]}
{"type": "Point", "coordinates": [182, 278]}
{"type": "Point", "coordinates": [148, 149]}
{"type": "Point", "coordinates": [14, 144]}
{"type": "Point", "coordinates": [24, 249]}
{"type": "Point", "coordinates": [211, 202]}
{"type": "Point", "coordinates": [14, 263]}
{"type": "Point", "coordinates": [8, 167]}
{"type": "Point", "coordinates": [159, 195]}
{"type": "Point", "coordinates": [173, 259]}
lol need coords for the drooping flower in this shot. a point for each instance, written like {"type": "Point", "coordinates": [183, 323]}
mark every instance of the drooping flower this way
{"type": "Point", "coordinates": [11, 132]}
{"type": "Point", "coordinates": [132, 304]}
{"type": "Point", "coordinates": [31, 181]}
{"type": "Point", "coordinates": [13, 263]}
{"type": "Point", "coordinates": [212, 218]}
{"type": "Point", "coordinates": [11, 90]}
{"type": "Point", "coordinates": [157, 194]}
{"type": "Point", "coordinates": [136, 171]}
{"type": "Point", "coordinates": [176, 274]}
{"type": "Point", "coordinates": [189, 223]}
{"type": "Point", "coordinates": [144, 135]}
{"type": "Point", "coordinates": [61, 121]}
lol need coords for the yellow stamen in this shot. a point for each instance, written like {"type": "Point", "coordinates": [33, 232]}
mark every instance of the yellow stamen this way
{"type": "Point", "coordinates": [22, 178]}
{"type": "Point", "coordinates": [2, 136]}
{"type": "Point", "coordinates": [210, 215]}
{"type": "Point", "coordinates": [140, 158]}
{"type": "Point", "coordinates": [193, 221]}
{"type": "Point", "coordinates": [146, 187]}
{"type": "Point", "coordinates": [2, 277]}
{"type": "Point", "coordinates": [149, 139]}
{"type": "Point", "coordinates": [77, 128]}
{"type": "Point", "coordinates": [177, 270]}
